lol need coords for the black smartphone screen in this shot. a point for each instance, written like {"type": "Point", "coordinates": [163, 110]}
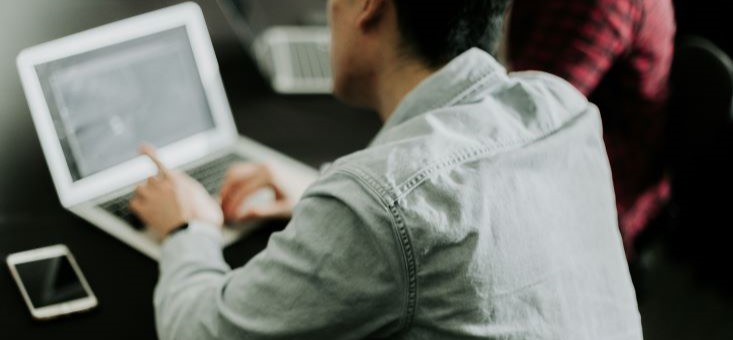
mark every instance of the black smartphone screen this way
{"type": "Point", "coordinates": [50, 281]}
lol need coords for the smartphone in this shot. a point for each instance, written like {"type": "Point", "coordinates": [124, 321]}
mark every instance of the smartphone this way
{"type": "Point", "coordinates": [51, 282]}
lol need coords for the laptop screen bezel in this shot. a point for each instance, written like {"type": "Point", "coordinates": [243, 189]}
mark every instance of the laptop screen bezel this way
{"type": "Point", "coordinates": [221, 136]}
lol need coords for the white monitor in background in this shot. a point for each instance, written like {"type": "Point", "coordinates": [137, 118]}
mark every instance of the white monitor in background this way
{"type": "Point", "coordinates": [289, 40]}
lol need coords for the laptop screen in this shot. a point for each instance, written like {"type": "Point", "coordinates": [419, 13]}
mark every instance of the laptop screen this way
{"type": "Point", "coordinates": [106, 102]}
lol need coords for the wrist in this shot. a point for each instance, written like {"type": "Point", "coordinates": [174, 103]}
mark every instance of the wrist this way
{"type": "Point", "coordinates": [199, 228]}
{"type": "Point", "coordinates": [177, 229]}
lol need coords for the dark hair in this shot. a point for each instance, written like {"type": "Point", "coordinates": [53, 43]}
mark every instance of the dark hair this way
{"type": "Point", "coordinates": [437, 31]}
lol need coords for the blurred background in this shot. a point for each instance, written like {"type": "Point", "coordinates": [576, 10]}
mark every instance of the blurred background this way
{"type": "Point", "coordinates": [684, 260]}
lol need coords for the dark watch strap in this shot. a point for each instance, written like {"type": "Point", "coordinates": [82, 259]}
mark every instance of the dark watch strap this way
{"type": "Point", "coordinates": [178, 229]}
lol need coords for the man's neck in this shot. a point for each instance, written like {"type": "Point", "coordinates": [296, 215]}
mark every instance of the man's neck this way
{"type": "Point", "coordinates": [396, 82]}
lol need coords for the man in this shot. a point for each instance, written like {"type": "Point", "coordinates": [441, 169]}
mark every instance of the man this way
{"type": "Point", "coordinates": [483, 209]}
{"type": "Point", "coordinates": [619, 54]}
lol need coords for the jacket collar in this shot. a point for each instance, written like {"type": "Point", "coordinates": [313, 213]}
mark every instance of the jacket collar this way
{"type": "Point", "coordinates": [456, 82]}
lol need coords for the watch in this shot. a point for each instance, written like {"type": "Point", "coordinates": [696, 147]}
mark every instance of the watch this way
{"type": "Point", "coordinates": [179, 228]}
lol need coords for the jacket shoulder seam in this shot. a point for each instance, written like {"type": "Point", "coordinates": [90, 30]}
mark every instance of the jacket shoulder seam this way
{"type": "Point", "coordinates": [400, 234]}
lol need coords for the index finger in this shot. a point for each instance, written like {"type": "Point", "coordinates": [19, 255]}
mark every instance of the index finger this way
{"type": "Point", "coordinates": [149, 151]}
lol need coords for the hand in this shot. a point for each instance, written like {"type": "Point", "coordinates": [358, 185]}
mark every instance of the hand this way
{"type": "Point", "coordinates": [242, 182]}
{"type": "Point", "coordinates": [171, 198]}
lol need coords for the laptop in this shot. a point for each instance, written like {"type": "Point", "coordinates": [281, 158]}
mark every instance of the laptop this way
{"type": "Point", "coordinates": [96, 96]}
{"type": "Point", "coordinates": [289, 40]}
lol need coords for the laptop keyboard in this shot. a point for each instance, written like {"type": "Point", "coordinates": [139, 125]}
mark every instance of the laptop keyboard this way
{"type": "Point", "coordinates": [311, 60]}
{"type": "Point", "coordinates": [210, 175]}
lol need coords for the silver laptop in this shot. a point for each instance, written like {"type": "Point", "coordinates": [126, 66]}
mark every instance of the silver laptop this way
{"type": "Point", "coordinates": [97, 95]}
{"type": "Point", "coordinates": [289, 40]}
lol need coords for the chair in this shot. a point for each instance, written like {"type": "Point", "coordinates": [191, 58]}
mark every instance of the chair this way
{"type": "Point", "coordinates": [701, 101]}
{"type": "Point", "coordinates": [699, 148]}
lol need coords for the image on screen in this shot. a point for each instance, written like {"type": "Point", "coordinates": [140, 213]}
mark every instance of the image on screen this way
{"type": "Point", "coordinates": [50, 281]}
{"type": "Point", "coordinates": [107, 102]}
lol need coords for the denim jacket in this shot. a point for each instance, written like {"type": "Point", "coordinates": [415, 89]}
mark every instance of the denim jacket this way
{"type": "Point", "coordinates": [484, 209]}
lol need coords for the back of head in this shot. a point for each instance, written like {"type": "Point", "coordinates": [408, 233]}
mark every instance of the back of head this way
{"type": "Point", "coordinates": [436, 31]}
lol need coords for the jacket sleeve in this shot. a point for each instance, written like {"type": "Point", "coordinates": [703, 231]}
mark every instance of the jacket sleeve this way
{"type": "Point", "coordinates": [332, 273]}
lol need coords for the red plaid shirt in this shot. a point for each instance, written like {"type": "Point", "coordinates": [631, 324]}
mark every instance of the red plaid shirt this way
{"type": "Point", "coordinates": [618, 53]}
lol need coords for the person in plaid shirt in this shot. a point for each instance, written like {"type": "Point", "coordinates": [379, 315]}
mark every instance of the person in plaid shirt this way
{"type": "Point", "coordinates": [618, 53]}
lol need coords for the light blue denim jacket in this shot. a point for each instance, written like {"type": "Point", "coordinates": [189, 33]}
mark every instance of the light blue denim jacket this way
{"type": "Point", "coordinates": [483, 210]}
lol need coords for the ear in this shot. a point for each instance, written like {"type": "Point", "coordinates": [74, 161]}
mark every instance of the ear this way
{"type": "Point", "coordinates": [371, 14]}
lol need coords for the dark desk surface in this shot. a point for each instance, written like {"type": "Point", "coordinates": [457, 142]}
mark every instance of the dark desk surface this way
{"type": "Point", "coordinates": [312, 129]}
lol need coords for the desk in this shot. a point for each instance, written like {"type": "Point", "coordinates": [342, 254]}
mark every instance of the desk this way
{"type": "Point", "coordinates": [312, 129]}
